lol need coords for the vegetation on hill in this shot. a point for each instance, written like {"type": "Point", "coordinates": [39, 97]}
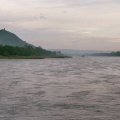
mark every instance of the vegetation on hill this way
{"type": "Point", "coordinates": [27, 52]}
{"type": "Point", "coordinates": [108, 54]}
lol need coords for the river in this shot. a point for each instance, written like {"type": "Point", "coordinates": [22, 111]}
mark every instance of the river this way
{"type": "Point", "coordinates": [80, 88]}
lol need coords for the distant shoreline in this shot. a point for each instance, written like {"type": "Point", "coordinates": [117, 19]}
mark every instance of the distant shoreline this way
{"type": "Point", "coordinates": [32, 57]}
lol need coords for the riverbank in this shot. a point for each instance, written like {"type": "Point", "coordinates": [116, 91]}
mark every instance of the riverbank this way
{"type": "Point", "coordinates": [32, 57]}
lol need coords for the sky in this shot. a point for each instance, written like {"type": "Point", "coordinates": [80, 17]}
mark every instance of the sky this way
{"type": "Point", "coordinates": [64, 24]}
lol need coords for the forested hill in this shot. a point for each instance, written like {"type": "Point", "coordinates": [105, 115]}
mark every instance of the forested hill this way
{"type": "Point", "coordinates": [13, 46]}
{"type": "Point", "coordinates": [116, 54]}
{"type": "Point", "coordinates": [8, 38]}
{"type": "Point", "coordinates": [26, 51]}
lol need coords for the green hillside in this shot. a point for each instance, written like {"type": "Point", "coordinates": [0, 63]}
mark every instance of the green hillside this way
{"type": "Point", "coordinates": [8, 38]}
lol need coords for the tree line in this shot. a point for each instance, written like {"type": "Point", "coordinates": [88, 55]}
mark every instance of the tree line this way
{"type": "Point", "coordinates": [25, 51]}
{"type": "Point", "coordinates": [108, 54]}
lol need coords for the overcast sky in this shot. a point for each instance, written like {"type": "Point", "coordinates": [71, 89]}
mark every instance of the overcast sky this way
{"type": "Point", "coordinates": [65, 24]}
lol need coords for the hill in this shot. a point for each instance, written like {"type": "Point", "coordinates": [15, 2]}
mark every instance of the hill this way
{"type": "Point", "coordinates": [11, 46]}
{"type": "Point", "coordinates": [116, 54]}
{"type": "Point", "coordinates": [8, 38]}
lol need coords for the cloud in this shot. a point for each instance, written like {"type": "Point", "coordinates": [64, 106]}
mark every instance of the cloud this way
{"type": "Point", "coordinates": [64, 11]}
{"type": "Point", "coordinates": [42, 17]}
{"type": "Point", "coordinates": [93, 2]}
{"type": "Point", "coordinates": [55, 3]}
{"type": "Point", "coordinates": [65, 3]}
{"type": "Point", "coordinates": [63, 23]}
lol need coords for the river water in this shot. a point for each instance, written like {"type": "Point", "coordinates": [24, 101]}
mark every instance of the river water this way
{"type": "Point", "coordinates": [81, 88]}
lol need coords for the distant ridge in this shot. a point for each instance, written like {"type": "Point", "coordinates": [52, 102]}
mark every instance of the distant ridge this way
{"type": "Point", "coordinates": [72, 52]}
{"type": "Point", "coordinates": [8, 38]}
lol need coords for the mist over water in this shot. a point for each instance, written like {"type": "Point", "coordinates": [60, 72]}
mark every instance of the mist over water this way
{"type": "Point", "coordinates": [83, 88]}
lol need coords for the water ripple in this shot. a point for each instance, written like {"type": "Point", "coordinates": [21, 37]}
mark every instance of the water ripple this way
{"type": "Point", "coordinates": [60, 89]}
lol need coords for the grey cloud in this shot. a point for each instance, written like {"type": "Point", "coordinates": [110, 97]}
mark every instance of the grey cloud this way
{"type": "Point", "coordinates": [21, 19]}
{"type": "Point", "coordinates": [37, 18]}
{"type": "Point", "coordinates": [92, 2]}
{"type": "Point", "coordinates": [62, 3]}
{"type": "Point", "coordinates": [79, 2]}
{"type": "Point", "coordinates": [64, 11]}
{"type": "Point", "coordinates": [42, 17]}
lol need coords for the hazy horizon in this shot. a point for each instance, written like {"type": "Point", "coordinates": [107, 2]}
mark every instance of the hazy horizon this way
{"type": "Point", "coordinates": [64, 24]}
